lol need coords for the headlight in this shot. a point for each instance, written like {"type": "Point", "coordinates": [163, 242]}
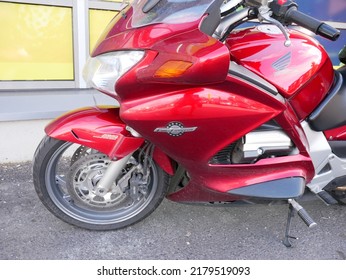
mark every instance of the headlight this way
{"type": "Point", "coordinates": [103, 71]}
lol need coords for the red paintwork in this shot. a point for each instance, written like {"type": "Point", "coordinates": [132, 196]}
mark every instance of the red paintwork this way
{"type": "Point", "coordinates": [117, 25]}
{"type": "Point", "coordinates": [212, 109]}
{"type": "Point", "coordinates": [306, 78]}
{"type": "Point", "coordinates": [222, 107]}
{"type": "Point", "coordinates": [214, 179]}
{"type": "Point", "coordinates": [163, 161]}
{"type": "Point", "coordinates": [101, 128]}
{"type": "Point", "coordinates": [97, 128]}
{"type": "Point", "coordinates": [336, 134]}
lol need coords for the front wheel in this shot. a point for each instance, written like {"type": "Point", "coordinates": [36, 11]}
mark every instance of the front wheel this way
{"type": "Point", "coordinates": [66, 176]}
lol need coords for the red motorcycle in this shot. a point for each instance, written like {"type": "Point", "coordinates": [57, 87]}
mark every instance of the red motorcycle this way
{"type": "Point", "coordinates": [210, 112]}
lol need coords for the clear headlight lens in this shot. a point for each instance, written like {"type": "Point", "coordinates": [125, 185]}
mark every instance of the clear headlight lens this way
{"type": "Point", "coordinates": [103, 71]}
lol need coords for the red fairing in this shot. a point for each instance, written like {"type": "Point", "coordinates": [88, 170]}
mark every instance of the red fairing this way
{"type": "Point", "coordinates": [97, 128]}
{"type": "Point", "coordinates": [121, 35]}
{"type": "Point", "coordinates": [222, 108]}
{"type": "Point", "coordinates": [336, 134]}
{"type": "Point", "coordinates": [224, 178]}
{"type": "Point", "coordinates": [303, 72]}
{"type": "Point", "coordinates": [164, 43]}
{"type": "Point", "coordinates": [213, 108]}
{"type": "Point", "coordinates": [221, 117]}
{"type": "Point", "coordinates": [163, 161]}
{"type": "Point", "coordinates": [168, 43]}
{"type": "Point", "coordinates": [117, 25]}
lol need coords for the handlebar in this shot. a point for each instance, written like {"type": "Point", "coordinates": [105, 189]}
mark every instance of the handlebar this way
{"type": "Point", "coordinates": [286, 11]}
{"type": "Point", "coordinates": [318, 27]}
{"type": "Point", "coordinates": [278, 12]}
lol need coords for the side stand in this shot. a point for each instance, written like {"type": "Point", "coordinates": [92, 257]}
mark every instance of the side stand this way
{"type": "Point", "coordinates": [293, 205]}
{"type": "Point", "coordinates": [286, 241]}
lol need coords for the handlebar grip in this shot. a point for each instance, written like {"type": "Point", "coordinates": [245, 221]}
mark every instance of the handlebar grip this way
{"type": "Point", "coordinates": [329, 32]}
{"type": "Point", "coordinates": [312, 24]}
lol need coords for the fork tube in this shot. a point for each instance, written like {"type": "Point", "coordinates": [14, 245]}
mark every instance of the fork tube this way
{"type": "Point", "coordinates": [113, 171]}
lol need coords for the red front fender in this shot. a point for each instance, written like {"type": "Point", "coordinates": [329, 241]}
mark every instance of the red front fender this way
{"type": "Point", "coordinates": [99, 128]}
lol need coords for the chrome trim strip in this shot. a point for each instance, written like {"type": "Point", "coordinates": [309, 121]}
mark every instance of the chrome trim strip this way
{"type": "Point", "coordinates": [240, 72]}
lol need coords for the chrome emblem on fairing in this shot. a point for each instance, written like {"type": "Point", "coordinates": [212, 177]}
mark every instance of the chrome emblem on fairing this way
{"type": "Point", "coordinates": [175, 129]}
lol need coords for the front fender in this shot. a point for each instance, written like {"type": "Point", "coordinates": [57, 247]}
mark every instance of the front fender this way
{"type": "Point", "coordinates": [99, 128]}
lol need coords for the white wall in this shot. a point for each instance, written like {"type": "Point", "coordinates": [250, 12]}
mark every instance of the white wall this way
{"type": "Point", "coordinates": [18, 140]}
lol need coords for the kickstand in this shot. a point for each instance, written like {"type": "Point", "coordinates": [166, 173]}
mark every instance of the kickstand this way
{"type": "Point", "coordinates": [286, 241]}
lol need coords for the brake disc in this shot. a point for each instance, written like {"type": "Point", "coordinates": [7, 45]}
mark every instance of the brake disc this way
{"type": "Point", "coordinates": [82, 179]}
{"type": "Point", "coordinates": [82, 151]}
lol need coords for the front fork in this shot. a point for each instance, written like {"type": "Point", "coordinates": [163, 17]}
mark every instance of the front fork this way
{"type": "Point", "coordinates": [113, 171]}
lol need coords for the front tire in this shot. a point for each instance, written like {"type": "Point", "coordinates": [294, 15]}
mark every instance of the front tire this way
{"type": "Point", "coordinates": [65, 176]}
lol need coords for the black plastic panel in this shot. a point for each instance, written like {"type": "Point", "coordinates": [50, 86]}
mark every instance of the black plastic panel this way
{"type": "Point", "coordinates": [331, 112]}
{"type": "Point", "coordinates": [338, 148]}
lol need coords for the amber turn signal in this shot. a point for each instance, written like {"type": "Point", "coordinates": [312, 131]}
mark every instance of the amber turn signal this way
{"type": "Point", "coordinates": [172, 69]}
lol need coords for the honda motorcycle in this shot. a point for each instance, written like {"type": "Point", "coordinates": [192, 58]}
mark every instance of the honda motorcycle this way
{"type": "Point", "coordinates": [212, 110]}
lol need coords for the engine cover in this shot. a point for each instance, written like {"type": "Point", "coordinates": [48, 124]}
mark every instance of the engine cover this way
{"type": "Point", "coordinates": [261, 144]}
{"type": "Point", "coordinates": [254, 146]}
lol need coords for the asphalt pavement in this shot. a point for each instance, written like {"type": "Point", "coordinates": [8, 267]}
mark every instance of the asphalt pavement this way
{"type": "Point", "coordinates": [173, 232]}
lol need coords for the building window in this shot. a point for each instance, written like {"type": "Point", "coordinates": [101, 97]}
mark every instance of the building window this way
{"type": "Point", "coordinates": [37, 42]}
{"type": "Point", "coordinates": [98, 21]}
